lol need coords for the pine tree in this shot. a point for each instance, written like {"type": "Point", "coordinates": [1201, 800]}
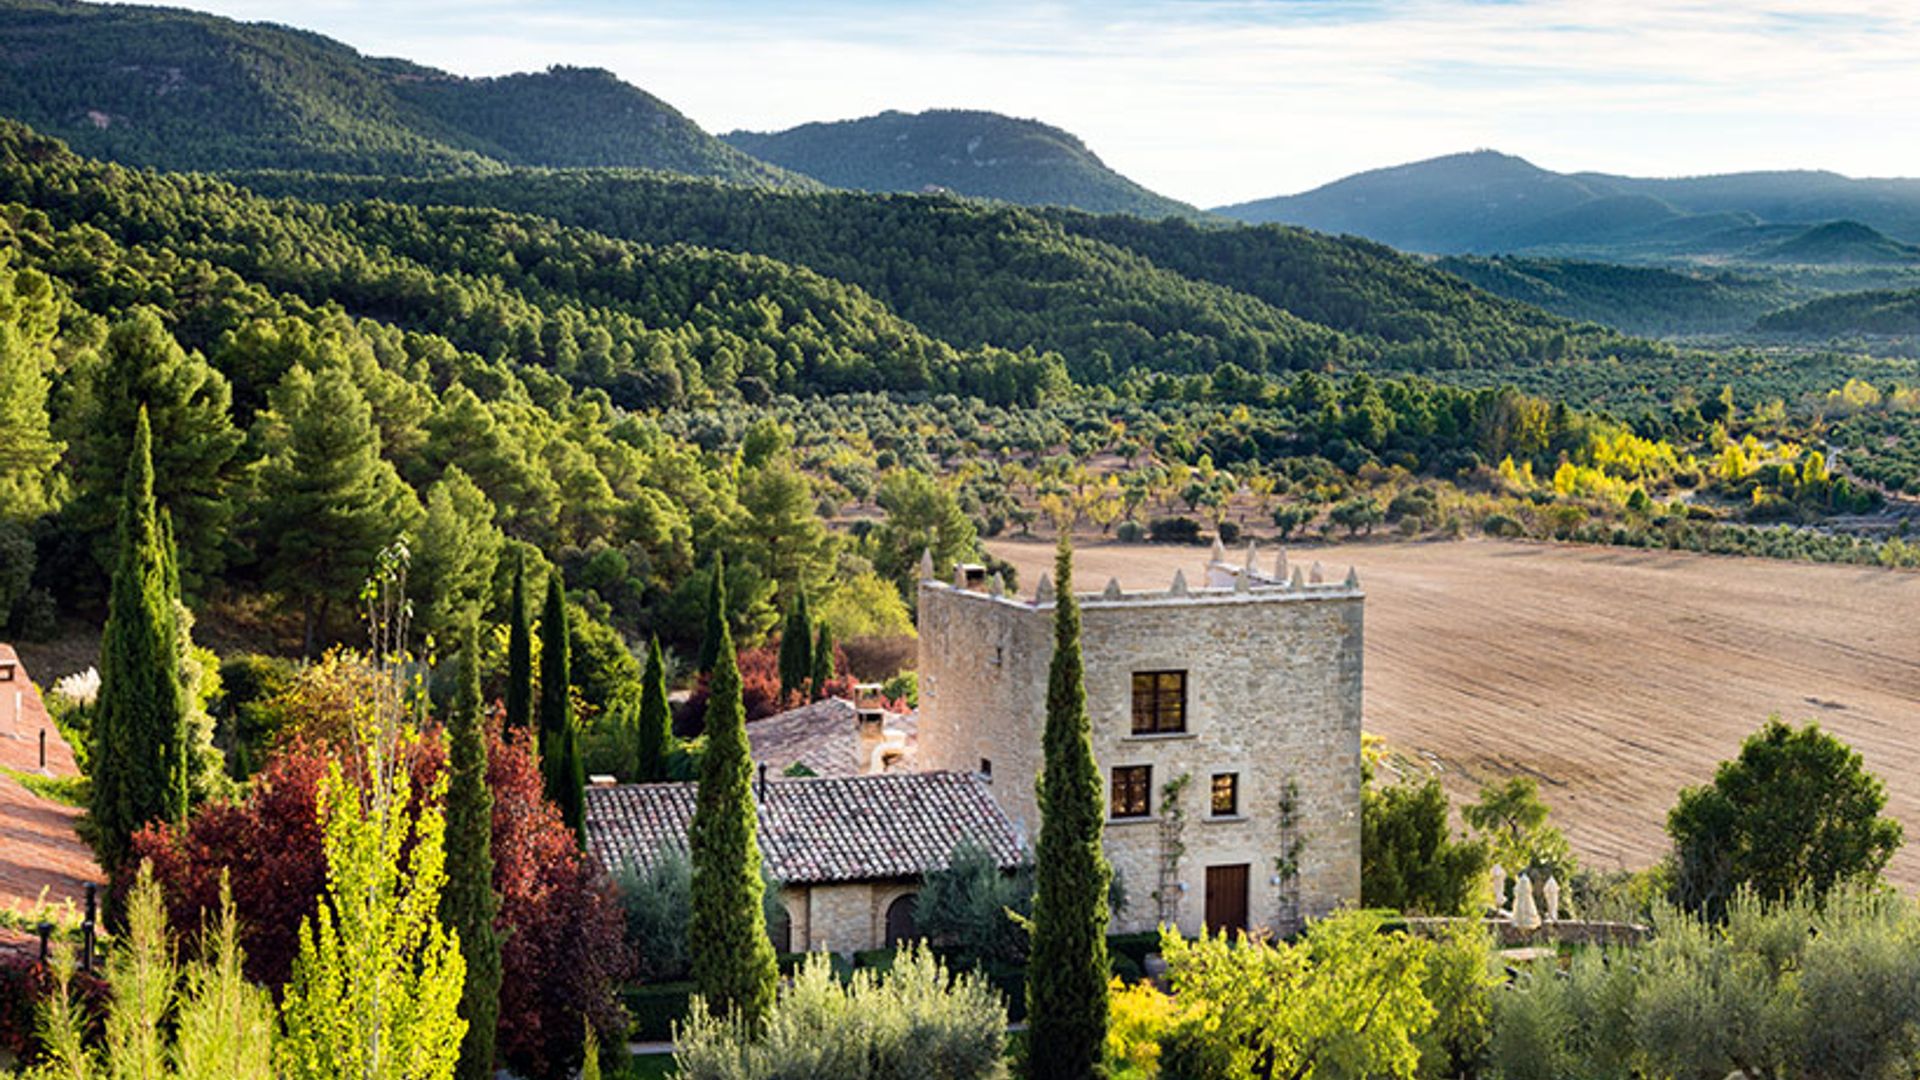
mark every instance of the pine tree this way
{"type": "Point", "coordinates": [454, 555]}
{"type": "Point", "coordinates": [469, 904]}
{"type": "Point", "coordinates": [716, 614]}
{"type": "Point", "coordinates": [195, 449]}
{"type": "Point", "coordinates": [1068, 971]}
{"type": "Point", "coordinates": [560, 763]}
{"type": "Point", "coordinates": [796, 648]}
{"type": "Point", "coordinates": [139, 749]}
{"type": "Point", "coordinates": [519, 653]}
{"type": "Point", "coordinates": [823, 661]}
{"type": "Point", "coordinates": [329, 502]}
{"type": "Point", "coordinates": [29, 454]}
{"type": "Point", "coordinates": [656, 720]}
{"type": "Point", "coordinates": [733, 962]}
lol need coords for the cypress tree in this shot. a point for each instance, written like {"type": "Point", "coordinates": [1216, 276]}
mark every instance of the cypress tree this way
{"type": "Point", "coordinates": [822, 662]}
{"type": "Point", "coordinates": [468, 904]}
{"type": "Point", "coordinates": [733, 962]}
{"type": "Point", "coordinates": [656, 720]}
{"type": "Point", "coordinates": [139, 727]}
{"type": "Point", "coordinates": [560, 764]}
{"type": "Point", "coordinates": [1067, 973]}
{"type": "Point", "coordinates": [716, 615]}
{"type": "Point", "coordinates": [519, 653]}
{"type": "Point", "coordinates": [796, 648]}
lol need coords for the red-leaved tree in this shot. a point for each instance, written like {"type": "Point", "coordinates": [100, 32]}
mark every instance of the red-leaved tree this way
{"type": "Point", "coordinates": [563, 954]}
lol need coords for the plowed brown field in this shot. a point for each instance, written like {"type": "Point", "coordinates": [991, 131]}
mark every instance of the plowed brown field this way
{"type": "Point", "coordinates": [1615, 676]}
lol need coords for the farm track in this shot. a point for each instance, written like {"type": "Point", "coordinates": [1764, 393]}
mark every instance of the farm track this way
{"type": "Point", "coordinates": [1614, 676]}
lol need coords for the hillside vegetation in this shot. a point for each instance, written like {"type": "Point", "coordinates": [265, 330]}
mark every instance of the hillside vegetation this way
{"type": "Point", "coordinates": [1880, 311]}
{"type": "Point", "coordinates": [174, 89]}
{"type": "Point", "coordinates": [964, 151]}
{"type": "Point", "coordinates": [1108, 293]}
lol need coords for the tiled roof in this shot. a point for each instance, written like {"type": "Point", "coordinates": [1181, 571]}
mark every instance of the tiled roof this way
{"type": "Point", "coordinates": [824, 737]}
{"type": "Point", "coordinates": [815, 830]}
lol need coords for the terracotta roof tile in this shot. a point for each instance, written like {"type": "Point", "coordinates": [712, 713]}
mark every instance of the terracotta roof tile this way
{"type": "Point", "coordinates": [815, 830]}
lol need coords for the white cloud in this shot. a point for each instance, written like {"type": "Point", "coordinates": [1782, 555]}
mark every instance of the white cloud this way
{"type": "Point", "coordinates": [1213, 101]}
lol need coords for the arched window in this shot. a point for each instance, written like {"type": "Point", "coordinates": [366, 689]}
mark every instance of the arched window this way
{"type": "Point", "coordinates": [900, 926]}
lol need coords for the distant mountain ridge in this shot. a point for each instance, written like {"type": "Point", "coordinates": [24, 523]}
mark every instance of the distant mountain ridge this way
{"type": "Point", "coordinates": [1486, 202]}
{"type": "Point", "coordinates": [967, 152]}
{"type": "Point", "coordinates": [175, 89]}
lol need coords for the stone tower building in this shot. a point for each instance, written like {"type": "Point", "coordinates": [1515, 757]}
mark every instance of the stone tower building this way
{"type": "Point", "coordinates": [1226, 720]}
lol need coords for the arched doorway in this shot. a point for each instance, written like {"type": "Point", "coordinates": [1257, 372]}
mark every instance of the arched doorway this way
{"type": "Point", "coordinates": [780, 929]}
{"type": "Point", "coordinates": [900, 927]}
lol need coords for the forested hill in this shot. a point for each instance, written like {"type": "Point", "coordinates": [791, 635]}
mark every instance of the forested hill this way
{"type": "Point", "coordinates": [654, 327]}
{"type": "Point", "coordinates": [1109, 293]}
{"type": "Point", "coordinates": [1890, 312]}
{"type": "Point", "coordinates": [1487, 202]}
{"type": "Point", "coordinates": [179, 90]}
{"type": "Point", "coordinates": [967, 152]}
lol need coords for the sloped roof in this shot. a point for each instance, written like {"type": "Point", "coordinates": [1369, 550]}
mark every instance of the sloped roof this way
{"type": "Point", "coordinates": [817, 830]}
{"type": "Point", "coordinates": [823, 736]}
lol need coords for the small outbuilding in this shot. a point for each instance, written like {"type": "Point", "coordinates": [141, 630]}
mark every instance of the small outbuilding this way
{"type": "Point", "coordinates": [849, 852]}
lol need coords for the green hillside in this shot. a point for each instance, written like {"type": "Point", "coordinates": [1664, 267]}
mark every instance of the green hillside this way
{"type": "Point", "coordinates": [1637, 299]}
{"type": "Point", "coordinates": [653, 326]}
{"type": "Point", "coordinates": [1881, 311]}
{"type": "Point", "coordinates": [179, 90]}
{"type": "Point", "coordinates": [1840, 243]}
{"type": "Point", "coordinates": [1110, 294]}
{"type": "Point", "coordinates": [967, 152]}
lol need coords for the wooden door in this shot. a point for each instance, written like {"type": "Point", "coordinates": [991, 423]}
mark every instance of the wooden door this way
{"type": "Point", "coordinates": [1227, 897]}
{"type": "Point", "coordinates": [900, 928]}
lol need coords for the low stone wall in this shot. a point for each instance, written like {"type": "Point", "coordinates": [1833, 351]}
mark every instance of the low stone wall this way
{"type": "Point", "coordinates": [1564, 932]}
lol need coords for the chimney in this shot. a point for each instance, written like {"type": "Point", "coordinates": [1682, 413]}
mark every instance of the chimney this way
{"type": "Point", "coordinates": [971, 576]}
{"type": "Point", "coordinates": [872, 726]}
{"type": "Point", "coordinates": [761, 791]}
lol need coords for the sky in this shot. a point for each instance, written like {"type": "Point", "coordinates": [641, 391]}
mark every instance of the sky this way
{"type": "Point", "coordinates": [1217, 101]}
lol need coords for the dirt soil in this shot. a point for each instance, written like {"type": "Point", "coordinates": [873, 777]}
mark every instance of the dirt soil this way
{"type": "Point", "coordinates": [1614, 676]}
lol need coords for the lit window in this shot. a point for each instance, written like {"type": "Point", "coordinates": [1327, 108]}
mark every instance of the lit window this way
{"type": "Point", "coordinates": [1226, 794]}
{"type": "Point", "coordinates": [1132, 791]}
{"type": "Point", "coordinates": [1159, 702]}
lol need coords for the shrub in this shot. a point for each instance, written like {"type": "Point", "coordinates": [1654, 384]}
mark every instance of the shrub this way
{"type": "Point", "coordinates": [890, 1027]}
{"type": "Point", "coordinates": [967, 904]}
{"type": "Point", "coordinates": [1775, 991]}
{"type": "Point", "coordinates": [1229, 533]}
{"type": "Point", "coordinates": [1129, 532]}
{"type": "Point", "coordinates": [1408, 859]}
{"type": "Point", "coordinates": [654, 902]}
{"type": "Point", "coordinates": [655, 1009]}
{"type": "Point", "coordinates": [562, 952]}
{"type": "Point", "coordinates": [1174, 530]}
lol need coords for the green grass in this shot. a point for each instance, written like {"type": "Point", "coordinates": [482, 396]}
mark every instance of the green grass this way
{"type": "Point", "coordinates": [650, 1067]}
{"type": "Point", "coordinates": [65, 790]}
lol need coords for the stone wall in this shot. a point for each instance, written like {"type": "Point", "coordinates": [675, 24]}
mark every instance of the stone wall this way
{"type": "Point", "coordinates": [1273, 694]}
{"type": "Point", "coordinates": [843, 917]}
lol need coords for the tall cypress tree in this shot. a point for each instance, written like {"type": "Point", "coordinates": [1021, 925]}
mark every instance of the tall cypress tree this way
{"type": "Point", "coordinates": [796, 647]}
{"type": "Point", "coordinates": [560, 764]}
{"type": "Point", "coordinates": [716, 614]}
{"type": "Point", "coordinates": [656, 719]}
{"type": "Point", "coordinates": [139, 727]}
{"type": "Point", "coordinates": [822, 662]}
{"type": "Point", "coordinates": [519, 653]}
{"type": "Point", "coordinates": [1067, 973]}
{"type": "Point", "coordinates": [733, 962]}
{"type": "Point", "coordinates": [468, 904]}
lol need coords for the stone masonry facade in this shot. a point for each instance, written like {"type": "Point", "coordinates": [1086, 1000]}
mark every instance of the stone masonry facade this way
{"type": "Point", "coordinates": [1272, 687]}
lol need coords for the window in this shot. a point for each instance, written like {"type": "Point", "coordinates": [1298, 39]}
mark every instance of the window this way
{"type": "Point", "coordinates": [1132, 791]}
{"type": "Point", "coordinates": [1226, 794]}
{"type": "Point", "coordinates": [1159, 702]}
